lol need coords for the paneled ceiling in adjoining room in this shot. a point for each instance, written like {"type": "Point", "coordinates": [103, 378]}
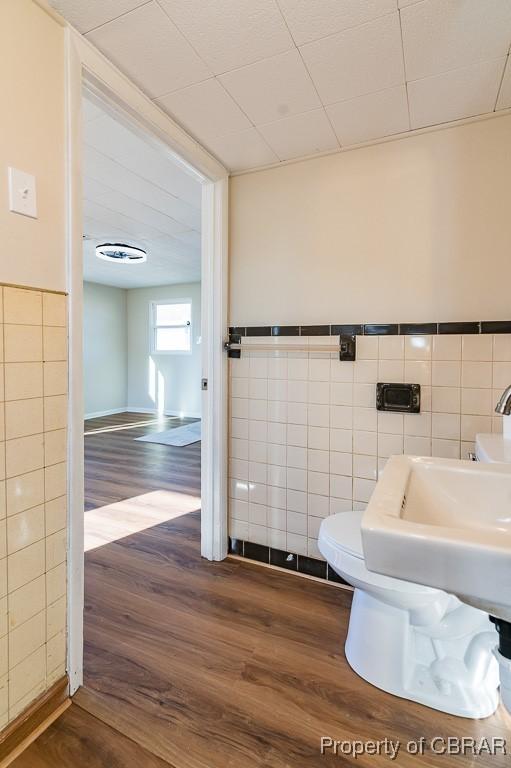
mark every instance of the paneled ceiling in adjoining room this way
{"type": "Point", "coordinates": [135, 193]}
{"type": "Point", "coordinates": [262, 81]}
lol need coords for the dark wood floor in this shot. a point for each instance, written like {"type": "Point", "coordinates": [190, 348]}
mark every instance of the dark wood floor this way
{"type": "Point", "coordinates": [191, 664]}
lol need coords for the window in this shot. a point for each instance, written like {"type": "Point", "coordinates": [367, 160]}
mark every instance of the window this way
{"type": "Point", "coordinates": [171, 326]}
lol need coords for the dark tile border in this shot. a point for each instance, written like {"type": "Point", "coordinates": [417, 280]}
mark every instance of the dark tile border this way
{"type": "Point", "coordinates": [389, 329]}
{"type": "Point", "coordinates": [496, 326]}
{"type": "Point", "coordinates": [459, 327]}
{"type": "Point", "coordinates": [372, 329]}
{"type": "Point", "coordinates": [347, 330]}
{"type": "Point", "coordinates": [412, 329]}
{"type": "Point", "coordinates": [314, 330]}
{"type": "Point", "coordinates": [310, 566]}
{"type": "Point", "coordinates": [285, 330]}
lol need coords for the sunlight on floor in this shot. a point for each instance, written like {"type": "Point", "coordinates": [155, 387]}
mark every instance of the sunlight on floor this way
{"type": "Point", "coordinates": [124, 518]}
{"type": "Point", "coordinates": [131, 425]}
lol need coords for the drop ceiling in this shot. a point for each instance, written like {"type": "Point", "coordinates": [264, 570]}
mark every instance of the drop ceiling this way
{"type": "Point", "coordinates": [263, 81]}
{"type": "Point", "coordinates": [135, 193]}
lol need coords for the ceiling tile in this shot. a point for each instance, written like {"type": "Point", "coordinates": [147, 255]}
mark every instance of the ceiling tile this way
{"type": "Point", "coordinates": [370, 117]}
{"type": "Point", "coordinates": [362, 60]}
{"type": "Point", "coordinates": [439, 35]}
{"type": "Point", "coordinates": [504, 100]}
{"type": "Point", "coordinates": [205, 109]}
{"type": "Point", "coordinates": [454, 95]}
{"type": "Point", "coordinates": [148, 48]}
{"type": "Point", "coordinates": [300, 135]}
{"type": "Point", "coordinates": [310, 21]}
{"type": "Point", "coordinates": [404, 3]}
{"type": "Point", "coordinates": [85, 16]}
{"type": "Point", "coordinates": [243, 150]}
{"type": "Point", "coordinates": [273, 88]}
{"type": "Point", "coordinates": [231, 33]}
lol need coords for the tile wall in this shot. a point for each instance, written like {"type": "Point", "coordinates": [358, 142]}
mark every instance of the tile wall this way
{"type": "Point", "coordinates": [33, 417]}
{"type": "Point", "coordinates": [306, 440]}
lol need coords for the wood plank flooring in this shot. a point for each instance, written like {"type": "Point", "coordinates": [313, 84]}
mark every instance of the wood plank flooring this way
{"type": "Point", "coordinates": [191, 664]}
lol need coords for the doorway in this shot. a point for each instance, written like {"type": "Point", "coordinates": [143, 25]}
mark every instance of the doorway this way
{"type": "Point", "coordinates": [121, 99]}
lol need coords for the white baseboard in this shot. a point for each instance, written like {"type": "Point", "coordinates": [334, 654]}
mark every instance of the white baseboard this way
{"type": "Point", "coordinates": [182, 414]}
{"type": "Point", "coordinates": [135, 409]}
{"type": "Point", "coordinates": [109, 412]}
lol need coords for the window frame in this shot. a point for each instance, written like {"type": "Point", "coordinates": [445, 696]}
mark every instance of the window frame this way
{"type": "Point", "coordinates": [153, 304]}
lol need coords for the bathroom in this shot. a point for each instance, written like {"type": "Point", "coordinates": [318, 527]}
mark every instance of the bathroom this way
{"type": "Point", "coordinates": [335, 602]}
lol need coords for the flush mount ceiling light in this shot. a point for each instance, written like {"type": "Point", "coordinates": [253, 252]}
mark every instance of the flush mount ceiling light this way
{"type": "Point", "coordinates": [120, 253]}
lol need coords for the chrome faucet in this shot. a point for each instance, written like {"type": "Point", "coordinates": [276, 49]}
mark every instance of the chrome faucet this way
{"type": "Point", "coordinates": [504, 404]}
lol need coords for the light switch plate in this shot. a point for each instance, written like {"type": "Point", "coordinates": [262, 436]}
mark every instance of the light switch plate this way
{"type": "Point", "coordinates": [22, 193]}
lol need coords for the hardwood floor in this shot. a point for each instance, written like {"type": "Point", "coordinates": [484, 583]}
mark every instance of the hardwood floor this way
{"type": "Point", "coordinates": [192, 664]}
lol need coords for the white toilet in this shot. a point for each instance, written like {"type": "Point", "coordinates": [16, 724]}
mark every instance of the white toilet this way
{"type": "Point", "coordinates": [413, 641]}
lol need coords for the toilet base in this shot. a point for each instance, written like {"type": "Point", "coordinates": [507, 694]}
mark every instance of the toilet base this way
{"type": "Point", "coordinates": [448, 666]}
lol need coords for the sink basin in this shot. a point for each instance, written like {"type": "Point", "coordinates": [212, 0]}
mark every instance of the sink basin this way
{"type": "Point", "coordinates": [493, 447]}
{"type": "Point", "coordinates": [444, 523]}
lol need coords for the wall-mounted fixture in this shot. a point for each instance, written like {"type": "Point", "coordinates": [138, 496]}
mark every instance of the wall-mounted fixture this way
{"type": "Point", "coordinates": [119, 253]}
{"type": "Point", "coordinates": [403, 398]}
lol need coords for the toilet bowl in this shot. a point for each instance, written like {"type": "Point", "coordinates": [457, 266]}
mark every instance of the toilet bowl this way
{"type": "Point", "coordinates": [410, 640]}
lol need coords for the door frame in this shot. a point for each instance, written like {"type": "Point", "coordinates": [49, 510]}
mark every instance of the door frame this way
{"type": "Point", "coordinates": [87, 68]}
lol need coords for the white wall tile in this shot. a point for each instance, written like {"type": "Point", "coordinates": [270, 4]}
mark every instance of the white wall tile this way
{"type": "Point", "coordinates": [477, 347]}
{"type": "Point", "coordinates": [418, 347]}
{"type": "Point", "coordinates": [502, 347]}
{"type": "Point", "coordinates": [446, 373]}
{"type": "Point", "coordinates": [476, 374]}
{"type": "Point", "coordinates": [446, 425]}
{"type": "Point", "coordinates": [365, 442]}
{"type": "Point", "coordinates": [391, 347]}
{"type": "Point", "coordinates": [447, 347]}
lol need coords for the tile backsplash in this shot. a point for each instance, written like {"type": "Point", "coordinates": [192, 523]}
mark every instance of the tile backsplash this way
{"type": "Point", "coordinates": [306, 440]}
{"type": "Point", "coordinates": [33, 446]}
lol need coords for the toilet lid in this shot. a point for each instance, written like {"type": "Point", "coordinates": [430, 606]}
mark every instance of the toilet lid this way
{"type": "Point", "coordinates": [345, 531]}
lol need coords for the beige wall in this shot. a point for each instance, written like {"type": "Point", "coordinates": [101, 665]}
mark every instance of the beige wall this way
{"type": "Point", "coordinates": [417, 229]}
{"type": "Point", "coordinates": [32, 129]}
{"type": "Point", "coordinates": [105, 349]}
{"type": "Point", "coordinates": [33, 362]}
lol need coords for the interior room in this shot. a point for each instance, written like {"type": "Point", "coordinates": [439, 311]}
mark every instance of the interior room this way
{"type": "Point", "coordinates": [255, 385]}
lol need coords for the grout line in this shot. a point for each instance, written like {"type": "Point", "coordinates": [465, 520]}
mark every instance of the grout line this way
{"type": "Point", "coordinates": [501, 82]}
{"type": "Point", "coordinates": [120, 16]}
{"type": "Point", "coordinates": [404, 69]}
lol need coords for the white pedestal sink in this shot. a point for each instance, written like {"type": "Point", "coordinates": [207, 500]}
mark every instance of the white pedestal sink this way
{"type": "Point", "coordinates": [445, 523]}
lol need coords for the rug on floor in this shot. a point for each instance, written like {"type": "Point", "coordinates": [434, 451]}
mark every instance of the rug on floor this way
{"type": "Point", "coordinates": [180, 436]}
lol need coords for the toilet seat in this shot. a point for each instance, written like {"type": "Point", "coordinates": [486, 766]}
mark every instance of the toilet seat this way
{"type": "Point", "coordinates": [340, 542]}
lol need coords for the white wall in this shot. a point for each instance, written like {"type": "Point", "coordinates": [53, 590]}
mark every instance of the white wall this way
{"type": "Point", "coordinates": [180, 374]}
{"type": "Point", "coordinates": [105, 348]}
{"type": "Point", "coordinates": [417, 229]}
